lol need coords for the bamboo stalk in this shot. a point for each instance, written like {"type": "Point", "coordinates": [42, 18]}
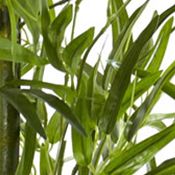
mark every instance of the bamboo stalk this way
{"type": "Point", "coordinates": [9, 117]}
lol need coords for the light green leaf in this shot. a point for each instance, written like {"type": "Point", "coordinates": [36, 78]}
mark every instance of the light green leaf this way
{"type": "Point", "coordinates": [45, 161]}
{"type": "Point", "coordinates": [74, 50]}
{"type": "Point", "coordinates": [55, 127]}
{"type": "Point", "coordinates": [22, 55]}
{"type": "Point", "coordinates": [139, 115]}
{"type": "Point", "coordinates": [122, 78]}
{"type": "Point", "coordinates": [119, 45]}
{"type": "Point", "coordinates": [168, 88]}
{"type": "Point", "coordinates": [83, 146]}
{"type": "Point", "coordinates": [50, 49]}
{"type": "Point", "coordinates": [26, 161]}
{"type": "Point", "coordinates": [29, 10]}
{"type": "Point", "coordinates": [167, 167]}
{"type": "Point", "coordinates": [121, 19]}
{"type": "Point", "coordinates": [129, 161]}
{"type": "Point", "coordinates": [59, 25]}
{"type": "Point", "coordinates": [163, 43]}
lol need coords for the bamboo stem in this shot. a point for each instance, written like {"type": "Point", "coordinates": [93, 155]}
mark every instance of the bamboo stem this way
{"type": "Point", "coordinates": [9, 117]}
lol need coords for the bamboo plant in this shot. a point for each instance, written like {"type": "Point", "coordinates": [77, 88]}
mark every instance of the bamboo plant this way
{"type": "Point", "coordinates": [105, 109]}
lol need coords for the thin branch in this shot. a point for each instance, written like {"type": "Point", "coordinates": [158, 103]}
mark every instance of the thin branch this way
{"type": "Point", "coordinates": [58, 3]}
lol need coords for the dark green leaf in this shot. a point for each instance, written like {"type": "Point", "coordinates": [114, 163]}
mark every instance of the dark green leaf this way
{"type": "Point", "coordinates": [62, 91]}
{"type": "Point", "coordinates": [25, 107]}
{"type": "Point", "coordinates": [60, 106]}
{"type": "Point", "coordinates": [168, 88]}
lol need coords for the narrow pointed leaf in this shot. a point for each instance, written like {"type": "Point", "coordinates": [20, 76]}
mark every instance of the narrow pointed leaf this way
{"type": "Point", "coordinates": [141, 88]}
{"type": "Point", "coordinates": [74, 50]}
{"type": "Point", "coordinates": [121, 19]}
{"type": "Point", "coordinates": [28, 10]}
{"type": "Point", "coordinates": [122, 78]}
{"type": "Point", "coordinates": [91, 90]}
{"type": "Point", "coordinates": [45, 161]}
{"type": "Point", "coordinates": [129, 161]}
{"type": "Point", "coordinates": [55, 127]}
{"type": "Point", "coordinates": [59, 25]}
{"type": "Point", "coordinates": [120, 43]}
{"type": "Point", "coordinates": [25, 107]}
{"type": "Point", "coordinates": [83, 146]}
{"type": "Point", "coordinates": [22, 55]}
{"type": "Point", "coordinates": [167, 167]}
{"type": "Point", "coordinates": [26, 161]}
{"type": "Point", "coordinates": [50, 49]}
{"type": "Point", "coordinates": [139, 115]}
{"type": "Point", "coordinates": [160, 52]}
{"type": "Point", "coordinates": [60, 106]}
{"type": "Point", "coordinates": [168, 88]}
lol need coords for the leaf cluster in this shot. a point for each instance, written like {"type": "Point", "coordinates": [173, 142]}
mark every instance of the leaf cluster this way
{"type": "Point", "coordinates": [105, 109]}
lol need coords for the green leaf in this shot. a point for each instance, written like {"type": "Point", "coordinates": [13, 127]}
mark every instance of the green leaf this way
{"type": "Point", "coordinates": [160, 116]}
{"type": "Point", "coordinates": [74, 50]}
{"type": "Point", "coordinates": [160, 52]}
{"type": "Point", "coordinates": [121, 19]}
{"type": "Point", "coordinates": [29, 10]}
{"type": "Point", "coordinates": [129, 161]}
{"type": "Point", "coordinates": [168, 88]}
{"type": "Point", "coordinates": [60, 106]}
{"type": "Point", "coordinates": [45, 161]}
{"type": "Point", "coordinates": [25, 107]}
{"type": "Point", "coordinates": [50, 49]}
{"type": "Point", "coordinates": [59, 25]}
{"type": "Point", "coordinates": [141, 87]}
{"type": "Point", "coordinates": [139, 115]}
{"type": "Point", "coordinates": [25, 164]}
{"type": "Point", "coordinates": [23, 55]}
{"type": "Point", "coordinates": [25, 9]}
{"type": "Point", "coordinates": [52, 11]}
{"type": "Point", "coordinates": [159, 125]}
{"type": "Point", "coordinates": [122, 78]}
{"type": "Point", "coordinates": [13, 25]}
{"type": "Point", "coordinates": [119, 45]}
{"type": "Point", "coordinates": [83, 146]}
{"type": "Point", "coordinates": [55, 127]}
{"type": "Point", "coordinates": [167, 167]}
{"type": "Point", "coordinates": [61, 90]}
{"type": "Point", "coordinates": [91, 91]}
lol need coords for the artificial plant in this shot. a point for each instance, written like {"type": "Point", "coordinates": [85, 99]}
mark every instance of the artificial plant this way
{"type": "Point", "coordinates": [105, 109]}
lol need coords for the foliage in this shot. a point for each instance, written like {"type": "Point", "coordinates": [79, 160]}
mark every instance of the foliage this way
{"type": "Point", "coordinates": [105, 109]}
